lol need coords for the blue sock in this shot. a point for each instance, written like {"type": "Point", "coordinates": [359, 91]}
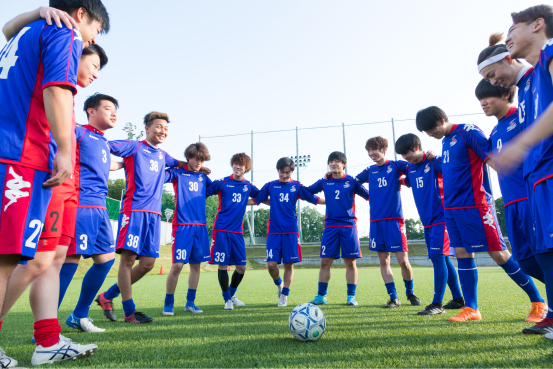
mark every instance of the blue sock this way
{"type": "Point", "coordinates": [440, 277]}
{"type": "Point", "coordinates": [452, 280]}
{"type": "Point", "coordinates": [92, 282]}
{"type": "Point", "coordinates": [531, 267]}
{"type": "Point", "coordinates": [226, 295]}
{"type": "Point", "coordinates": [232, 291]}
{"type": "Point", "coordinates": [112, 292]}
{"type": "Point", "coordinates": [278, 281]}
{"type": "Point", "coordinates": [285, 291]}
{"type": "Point", "coordinates": [169, 299]}
{"type": "Point", "coordinates": [468, 274]}
{"type": "Point", "coordinates": [546, 262]}
{"type": "Point", "coordinates": [128, 307]}
{"type": "Point", "coordinates": [391, 288]}
{"type": "Point", "coordinates": [514, 271]}
{"type": "Point", "coordinates": [322, 288]}
{"type": "Point", "coordinates": [408, 286]}
{"type": "Point", "coordinates": [190, 296]}
{"type": "Point", "coordinates": [351, 289]}
{"type": "Point", "coordinates": [66, 275]}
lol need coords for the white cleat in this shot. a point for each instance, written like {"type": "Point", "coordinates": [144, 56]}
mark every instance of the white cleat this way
{"type": "Point", "coordinates": [283, 301]}
{"type": "Point", "coordinates": [549, 336]}
{"type": "Point", "coordinates": [237, 302]}
{"type": "Point", "coordinates": [280, 289]}
{"type": "Point", "coordinates": [82, 324]}
{"type": "Point", "coordinates": [229, 305]}
{"type": "Point", "coordinates": [64, 350]}
{"type": "Point", "coordinates": [5, 361]}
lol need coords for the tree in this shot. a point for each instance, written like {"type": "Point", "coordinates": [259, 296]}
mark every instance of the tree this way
{"type": "Point", "coordinates": [132, 133]}
{"type": "Point", "coordinates": [261, 220]}
{"type": "Point", "coordinates": [167, 202]}
{"type": "Point", "coordinates": [312, 225]}
{"type": "Point", "coordinates": [116, 188]}
{"type": "Point", "coordinates": [211, 206]}
{"type": "Point", "coordinates": [500, 211]}
{"type": "Point", "coordinates": [414, 229]}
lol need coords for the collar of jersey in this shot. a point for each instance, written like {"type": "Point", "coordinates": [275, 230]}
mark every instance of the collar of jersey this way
{"type": "Point", "coordinates": [453, 128]}
{"type": "Point", "coordinates": [511, 111]}
{"type": "Point", "coordinates": [149, 144]}
{"type": "Point", "coordinates": [523, 72]}
{"type": "Point", "coordinates": [232, 178]}
{"type": "Point", "coordinates": [93, 129]}
{"type": "Point", "coordinates": [331, 177]}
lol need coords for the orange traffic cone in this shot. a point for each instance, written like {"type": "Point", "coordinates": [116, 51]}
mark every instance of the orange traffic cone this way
{"type": "Point", "coordinates": [161, 270]}
{"type": "Point", "coordinates": [229, 268]}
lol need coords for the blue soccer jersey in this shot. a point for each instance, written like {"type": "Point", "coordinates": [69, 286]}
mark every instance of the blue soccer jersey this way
{"type": "Point", "coordinates": [525, 113]}
{"type": "Point", "coordinates": [283, 197]}
{"type": "Point", "coordinates": [233, 200]}
{"type": "Point", "coordinates": [425, 179]}
{"type": "Point", "coordinates": [144, 172]}
{"type": "Point", "coordinates": [340, 199]}
{"type": "Point", "coordinates": [190, 191]}
{"type": "Point", "coordinates": [466, 182]}
{"type": "Point", "coordinates": [513, 187]}
{"type": "Point", "coordinates": [384, 188]}
{"type": "Point", "coordinates": [39, 56]}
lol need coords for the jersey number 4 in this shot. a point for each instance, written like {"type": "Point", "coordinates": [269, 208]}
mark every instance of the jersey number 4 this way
{"type": "Point", "coordinates": [8, 57]}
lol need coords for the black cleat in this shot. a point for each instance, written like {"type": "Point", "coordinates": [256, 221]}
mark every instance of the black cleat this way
{"type": "Point", "coordinates": [414, 300]}
{"type": "Point", "coordinates": [455, 304]}
{"type": "Point", "coordinates": [106, 306]}
{"type": "Point", "coordinates": [432, 310]}
{"type": "Point", "coordinates": [543, 327]}
{"type": "Point", "coordinates": [393, 303]}
{"type": "Point", "coordinates": [138, 317]}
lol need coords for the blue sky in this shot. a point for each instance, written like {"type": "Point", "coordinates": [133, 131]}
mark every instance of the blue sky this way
{"type": "Point", "coordinates": [229, 67]}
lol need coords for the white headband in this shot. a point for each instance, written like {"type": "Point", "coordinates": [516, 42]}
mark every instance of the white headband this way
{"type": "Point", "coordinates": [490, 61]}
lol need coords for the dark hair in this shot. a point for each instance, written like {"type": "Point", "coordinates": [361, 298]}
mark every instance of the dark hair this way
{"type": "Point", "coordinates": [376, 143]}
{"type": "Point", "coordinates": [95, 10]}
{"type": "Point", "coordinates": [430, 118]}
{"type": "Point", "coordinates": [95, 100]}
{"type": "Point", "coordinates": [337, 155]}
{"type": "Point", "coordinates": [535, 12]}
{"type": "Point", "coordinates": [408, 142]}
{"type": "Point", "coordinates": [494, 48]}
{"type": "Point", "coordinates": [241, 159]}
{"type": "Point", "coordinates": [151, 116]}
{"type": "Point", "coordinates": [96, 49]}
{"type": "Point", "coordinates": [285, 162]}
{"type": "Point", "coordinates": [197, 150]}
{"type": "Point", "coordinates": [486, 89]}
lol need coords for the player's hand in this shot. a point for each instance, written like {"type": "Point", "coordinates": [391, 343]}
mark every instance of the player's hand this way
{"type": "Point", "coordinates": [205, 171]}
{"type": "Point", "coordinates": [58, 16]}
{"type": "Point", "coordinates": [62, 170]}
{"type": "Point", "coordinates": [511, 156]}
{"type": "Point", "coordinates": [328, 175]}
{"type": "Point", "coordinates": [430, 155]}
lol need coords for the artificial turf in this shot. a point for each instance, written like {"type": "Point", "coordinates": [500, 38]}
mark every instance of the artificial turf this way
{"type": "Point", "coordinates": [256, 335]}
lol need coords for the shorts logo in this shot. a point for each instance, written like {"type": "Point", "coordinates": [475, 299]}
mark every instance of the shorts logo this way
{"type": "Point", "coordinates": [476, 246]}
{"type": "Point", "coordinates": [124, 221]}
{"type": "Point", "coordinates": [453, 140]}
{"type": "Point", "coordinates": [427, 168]}
{"type": "Point", "coordinates": [347, 185]}
{"type": "Point", "coordinates": [293, 189]}
{"type": "Point", "coordinates": [245, 189]}
{"type": "Point", "coordinates": [488, 219]}
{"type": "Point", "coordinates": [389, 169]}
{"type": "Point", "coordinates": [512, 126]}
{"type": "Point", "coordinates": [15, 185]}
{"type": "Point", "coordinates": [469, 127]}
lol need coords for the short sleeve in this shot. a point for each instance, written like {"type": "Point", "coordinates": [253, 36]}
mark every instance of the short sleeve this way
{"type": "Point", "coordinates": [263, 194]}
{"type": "Point", "coordinates": [475, 139]}
{"type": "Point", "coordinates": [214, 188]}
{"type": "Point", "coordinates": [254, 191]}
{"type": "Point", "coordinates": [363, 177]}
{"type": "Point", "coordinates": [308, 196]}
{"type": "Point", "coordinates": [401, 166]}
{"type": "Point", "coordinates": [361, 191]}
{"type": "Point", "coordinates": [406, 179]}
{"type": "Point", "coordinates": [437, 162]}
{"type": "Point", "coordinates": [547, 53]}
{"type": "Point", "coordinates": [170, 161]}
{"type": "Point", "coordinates": [208, 181]}
{"type": "Point", "coordinates": [171, 175]}
{"type": "Point", "coordinates": [316, 187]}
{"type": "Point", "coordinates": [79, 133]}
{"type": "Point", "coordinates": [123, 148]}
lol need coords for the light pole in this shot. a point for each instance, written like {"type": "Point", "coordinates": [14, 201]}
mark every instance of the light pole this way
{"type": "Point", "coordinates": [300, 162]}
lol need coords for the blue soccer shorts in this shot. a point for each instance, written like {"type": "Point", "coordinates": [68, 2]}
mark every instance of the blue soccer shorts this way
{"type": "Point", "coordinates": [388, 236]}
{"type": "Point", "coordinates": [520, 229]}
{"type": "Point", "coordinates": [190, 244]}
{"type": "Point", "coordinates": [139, 232]}
{"type": "Point", "coordinates": [227, 248]}
{"type": "Point", "coordinates": [341, 238]}
{"type": "Point", "coordinates": [437, 240]}
{"type": "Point", "coordinates": [475, 229]}
{"type": "Point", "coordinates": [284, 248]}
{"type": "Point", "coordinates": [542, 211]}
{"type": "Point", "coordinates": [93, 235]}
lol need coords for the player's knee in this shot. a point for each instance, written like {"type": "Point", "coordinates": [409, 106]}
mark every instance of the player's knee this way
{"type": "Point", "coordinates": [176, 268]}
{"type": "Point", "coordinates": [404, 264]}
{"type": "Point", "coordinates": [241, 269]}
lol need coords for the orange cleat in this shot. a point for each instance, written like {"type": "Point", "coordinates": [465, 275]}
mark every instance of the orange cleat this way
{"type": "Point", "coordinates": [538, 312]}
{"type": "Point", "coordinates": [466, 314]}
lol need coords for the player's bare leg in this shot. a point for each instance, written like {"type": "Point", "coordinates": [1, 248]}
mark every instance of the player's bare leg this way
{"type": "Point", "coordinates": [324, 277]}
{"type": "Point", "coordinates": [388, 277]}
{"type": "Point", "coordinates": [407, 274]}
{"type": "Point", "coordinates": [171, 287]}
{"type": "Point", "coordinates": [351, 279]}
{"type": "Point", "coordinates": [193, 279]}
{"type": "Point", "coordinates": [284, 287]}
{"type": "Point", "coordinates": [8, 263]}
{"type": "Point", "coordinates": [127, 276]}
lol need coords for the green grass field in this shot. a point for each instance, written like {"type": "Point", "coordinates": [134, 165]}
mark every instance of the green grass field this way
{"type": "Point", "coordinates": [257, 335]}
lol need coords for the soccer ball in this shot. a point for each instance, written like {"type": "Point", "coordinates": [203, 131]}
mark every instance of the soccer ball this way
{"type": "Point", "coordinates": [307, 322]}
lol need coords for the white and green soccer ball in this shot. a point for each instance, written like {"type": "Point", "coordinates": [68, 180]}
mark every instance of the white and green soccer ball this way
{"type": "Point", "coordinates": [307, 322]}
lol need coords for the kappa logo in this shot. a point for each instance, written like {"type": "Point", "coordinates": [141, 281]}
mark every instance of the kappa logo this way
{"type": "Point", "coordinates": [15, 187]}
{"type": "Point", "coordinates": [469, 127]}
{"type": "Point", "coordinates": [245, 189]}
{"type": "Point", "coordinates": [453, 140]}
{"type": "Point", "coordinates": [511, 126]}
{"type": "Point", "coordinates": [347, 185]}
{"type": "Point", "coordinates": [488, 219]}
{"type": "Point", "coordinates": [78, 36]}
{"type": "Point", "coordinates": [389, 169]}
{"type": "Point", "coordinates": [427, 168]}
{"type": "Point", "coordinates": [293, 189]}
{"type": "Point", "coordinates": [124, 221]}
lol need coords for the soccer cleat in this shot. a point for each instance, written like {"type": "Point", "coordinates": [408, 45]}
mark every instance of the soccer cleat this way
{"type": "Point", "coordinates": [549, 336]}
{"type": "Point", "coordinates": [229, 305]}
{"type": "Point", "coordinates": [414, 300]}
{"type": "Point", "coordinates": [466, 314]}
{"type": "Point", "coordinates": [352, 301]}
{"type": "Point", "coordinates": [168, 310]}
{"type": "Point", "coordinates": [107, 306]}
{"type": "Point", "coordinates": [5, 361]}
{"type": "Point", "coordinates": [538, 312]}
{"type": "Point", "coordinates": [82, 324]}
{"type": "Point", "coordinates": [283, 301]}
{"type": "Point", "coordinates": [138, 317]}
{"type": "Point", "coordinates": [393, 303]}
{"type": "Point", "coordinates": [455, 304]}
{"type": "Point", "coordinates": [432, 310]}
{"type": "Point", "coordinates": [319, 300]}
{"type": "Point", "coordinates": [64, 350]}
{"type": "Point", "coordinates": [237, 302]}
{"type": "Point", "coordinates": [279, 287]}
{"type": "Point", "coordinates": [192, 308]}
{"type": "Point", "coordinates": [543, 327]}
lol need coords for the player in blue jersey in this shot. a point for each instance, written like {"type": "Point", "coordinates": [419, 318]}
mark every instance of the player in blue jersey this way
{"type": "Point", "coordinates": [424, 176]}
{"type": "Point", "coordinates": [387, 224]}
{"type": "Point", "coordinates": [283, 243]}
{"type": "Point", "coordinates": [340, 232]}
{"type": "Point", "coordinates": [227, 239]}
{"type": "Point", "coordinates": [469, 215]}
{"type": "Point", "coordinates": [190, 238]}
{"type": "Point", "coordinates": [138, 236]}
{"type": "Point", "coordinates": [38, 78]}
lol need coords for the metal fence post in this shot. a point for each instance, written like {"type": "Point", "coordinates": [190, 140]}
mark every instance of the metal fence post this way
{"type": "Point", "coordinates": [394, 135]}
{"type": "Point", "coordinates": [298, 176]}
{"type": "Point", "coordinates": [252, 231]}
{"type": "Point", "coordinates": [344, 137]}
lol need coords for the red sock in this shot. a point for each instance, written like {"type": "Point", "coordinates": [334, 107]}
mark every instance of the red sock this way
{"type": "Point", "coordinates": [1, 321]}
{"type": "Point", "coordinates": [47, 332]}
